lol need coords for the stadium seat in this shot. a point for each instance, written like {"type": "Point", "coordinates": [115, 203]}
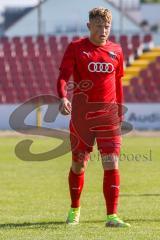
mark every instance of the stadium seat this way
{"type": "Point", "coordinates": [112, 38]}
{"type": "Point", "coordinates": [123, 40]}
{"type": "Point", "coordinates": [29, 66]}
{"type": "Point", "coordinates": [147, 42]}
{"type": "Point", "coordinates": [2, 97]}
{"type": "Point", "coordinates": [64, 41]}
{"type": "Point", "coordinates": [4, 39]}
{"type": "Point", "coordinates": [11, 95]}
{"type": "Point", "coordinates": [74, 38]}
{"type": "Point", "coordinates": [128, 94]}
{"type": "Point", "coordinates": [128, 55]}
{"type": "Point", "coordinates": [158, 60]}
{"type": "Point", "coordinates": [147, 38]}
{"type": "Point", "coordinates": [137, 45]}
{"type": "Point", "coordinates": [141, 94]}
{"type": "Point", "coordinates": [40, 39]}
{"type": "Point", "coordinates": [22, 94]}
{"type": "Point", "coordinates": [28, 40]}
{"type": "Point", "coordinates": [52, 41]}
{"type": "Point", "coordinates": [16, 40]}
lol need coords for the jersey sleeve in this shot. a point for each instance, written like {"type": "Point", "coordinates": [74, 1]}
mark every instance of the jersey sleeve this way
{"type": "Point", "coordinates": [66, 70]}
{"type": "Point", "coordinates": [119, 86]}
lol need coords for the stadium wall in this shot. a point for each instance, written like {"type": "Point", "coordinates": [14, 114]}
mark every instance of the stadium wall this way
{"type": "Point", "coordinates": [141, 116]}
{"type": "Point", "coordinates": [60, 16]}
{"type": "Point", "coordinates": [147, 9]}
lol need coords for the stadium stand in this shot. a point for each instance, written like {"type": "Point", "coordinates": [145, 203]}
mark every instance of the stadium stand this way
{"type": "Point", "coordinates": [29, 67]}
{"type": "Point", "coordinates": [146, 86]}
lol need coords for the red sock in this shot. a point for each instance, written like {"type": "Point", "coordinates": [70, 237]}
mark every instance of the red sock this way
{"type": "Point", "coordinates": [111, 184]}
{"type": "Point", "coordinates": [76, 182]}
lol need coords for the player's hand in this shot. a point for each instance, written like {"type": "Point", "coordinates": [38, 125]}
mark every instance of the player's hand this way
{"type": "Point", "coordinates": [65, 106]}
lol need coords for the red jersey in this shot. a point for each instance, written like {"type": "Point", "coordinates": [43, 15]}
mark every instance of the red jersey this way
{"type": "Point", "coordinates": [99, 67]}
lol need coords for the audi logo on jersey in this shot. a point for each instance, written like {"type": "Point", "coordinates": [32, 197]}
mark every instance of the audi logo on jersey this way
{"type": "Point", "coordinates": [100, 67]}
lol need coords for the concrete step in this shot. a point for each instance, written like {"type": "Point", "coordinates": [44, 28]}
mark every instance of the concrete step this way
{"type": "Point", "coordinates": [125, 83]}
{"type": "Point", "coordinates": [141, 63]}
{"type": "Point", "coordinates": [156, 49]}
{"type": "Point", "coordinates": [150, 55]}
{"type": "Point", "coordinates": [133, 70]}
{"type": "Point", "coordinates": [127, 77]}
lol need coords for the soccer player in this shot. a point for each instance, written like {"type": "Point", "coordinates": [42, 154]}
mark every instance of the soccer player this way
{"type": "Point", "coordinates": [97, 68]}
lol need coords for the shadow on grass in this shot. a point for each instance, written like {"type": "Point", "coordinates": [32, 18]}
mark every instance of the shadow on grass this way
{"type": "Point", "coordinates": [56, 224]}
{"type": "Point", "coordinates": [137, 220]}
{"type": "Point", "coordinates": [93, 221]}
{"type": "Point", "coordinates": [141, 195]}
{"type": "Point", "coordinates": [42, 224]}
{"type": "Point", "coordinates": [31, 225]}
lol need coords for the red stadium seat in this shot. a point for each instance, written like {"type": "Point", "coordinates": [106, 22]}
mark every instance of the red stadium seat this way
{"type": "Point", "coordinates": [16, 41]}
{"type": "Point", "coordinates": [2, 97]}
{"type": "Point", "coordinates": [147, 38]}
{"type": "Point", "coordinates": [144, 73]}
{"type": "Point", "coordinates": [4, 39]}
{"type": "Point", "coordinates": [22, 94]}
{"type": "Point", "coordinates": [141, 94]}
{"type": "Point", "coordinates": [28, 40]}
{"type": "Point", "coordinates": [147, 42]}
{"type": "Point", "coordinates": [112, 38]}
{"type": "Point", "coordinates": [40, 39]}
{"type": "Point", "coordinates": [64, 41]}
{"type": "Point", "coordinates": [137, 45]}
{"type": "Point", "coordinates": [128, 95]}
{"type": "Point", "coordinates": [29, 66]}
{"type": "Point", "coordinates": [10, 94]}
{"type": "Point", "coordinates": [75, 38]}
{"type": "Point", "coordinates": [128, 54]}
{"type": "Point", "coordinates": [158, 59]}
{"type": "Point", "coordinates": [123, 39]}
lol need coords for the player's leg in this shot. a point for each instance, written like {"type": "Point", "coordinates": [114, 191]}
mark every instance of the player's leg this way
{"type": "Point", "coordinates": [110, 150]}
{"type": "Point", "coordinates": [80, 156]}
{"type": "Point", "coordinates": [76, 182]}
{"type": "Point", "coordinates": [111, 181]}
{"type": "Point", "coordinates": [76, 177]}
{"type": "Point", "coordinates": [111, 188]}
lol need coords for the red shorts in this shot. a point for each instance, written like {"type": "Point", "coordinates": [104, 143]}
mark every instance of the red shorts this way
{"type": "Point", "coordinates": [108, 141]}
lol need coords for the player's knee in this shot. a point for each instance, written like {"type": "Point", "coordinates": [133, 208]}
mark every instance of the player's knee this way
{"type": "Point", "coordinates": [79, 162]}
{"type": "Point", "coordinates": [78, 168]}
{"type": "Point", "coordinates": [110, 161]}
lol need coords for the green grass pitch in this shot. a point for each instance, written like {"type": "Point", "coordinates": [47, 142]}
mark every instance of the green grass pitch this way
{"type": "Point", "coordinates": [34, 197]}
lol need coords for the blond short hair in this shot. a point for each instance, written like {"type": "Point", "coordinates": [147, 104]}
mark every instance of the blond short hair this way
{"type": "Point", "coordinates": [104, 13]}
